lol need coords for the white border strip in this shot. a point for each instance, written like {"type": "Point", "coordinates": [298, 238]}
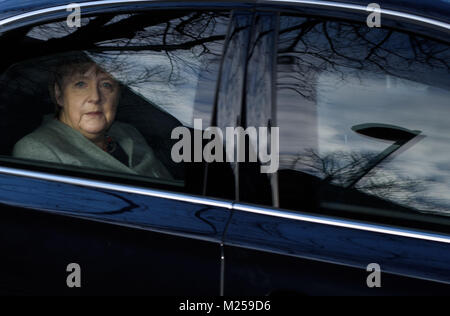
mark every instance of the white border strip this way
{"type": "Point", "coordinates": [343, 223]}
{"type": "Point", "coordinates": [316, 3]}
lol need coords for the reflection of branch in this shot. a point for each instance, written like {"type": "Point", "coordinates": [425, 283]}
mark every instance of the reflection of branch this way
{"type": "Point", "coordinates": [164, 41]}
{"type": "Point", "coordinates": [304, 28]}
{"type": "Point", "coordinates": [97, 30]}
{"type": "Point", "coordinates": [173, 30]}
{"type": "Point", "coordinates": [349, 50]}
{"type": "Point", "coordinates": [289, 87]}
{"type": "Point", "coordinates": [332, 46]}
{"type": "Point", "coordinates": [377, 46]}
{"type": "Point", "coordinates": [159, 48]}
{"type": "Point", "coordinates": [339, 167]}
{"type": "Point", "coordinates": [181, 26]}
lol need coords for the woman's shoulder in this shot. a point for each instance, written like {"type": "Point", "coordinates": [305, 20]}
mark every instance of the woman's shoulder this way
{"type": "Point", "coordinates": [46, 139]}
{"type": "Point", "coordinates": [36, 145]}
{"type": "Point", "coordinates": [43, 133]}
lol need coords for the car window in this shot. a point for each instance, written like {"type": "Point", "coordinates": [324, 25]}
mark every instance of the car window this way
{"type": "Point", "coordinates": [364, 120]}
{"type": "Point", "coordinates": [163, 66]}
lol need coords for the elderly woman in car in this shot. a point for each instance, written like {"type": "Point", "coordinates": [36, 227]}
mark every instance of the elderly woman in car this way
{"type": "Point", "coordinates": [83, 131]}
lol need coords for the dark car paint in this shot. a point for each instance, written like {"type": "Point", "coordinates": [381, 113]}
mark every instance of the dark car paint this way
{"type": "Point", "coordinates": [275, 274]}
{"type": "Point", "coordinates": [340, 256]}
{"type": "Point", "coordinates": [131, 259]}
{"type": "Point", "coordinates": [131, 243]}
{"type": "Point", "coordinates": [114, 259]}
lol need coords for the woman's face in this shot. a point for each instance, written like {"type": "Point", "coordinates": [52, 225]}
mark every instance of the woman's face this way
{"type": "Point", "coordinates": [88, 101]}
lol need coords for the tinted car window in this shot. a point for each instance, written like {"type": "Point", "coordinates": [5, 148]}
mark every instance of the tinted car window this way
{"type": "Point", "coordinates": [166, 63]}
{"type": "Point", "coordinates": [364, 119]}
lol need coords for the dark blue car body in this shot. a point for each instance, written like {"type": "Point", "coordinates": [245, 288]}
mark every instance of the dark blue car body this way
{"type": "Point", "coordinates": [131, 239]}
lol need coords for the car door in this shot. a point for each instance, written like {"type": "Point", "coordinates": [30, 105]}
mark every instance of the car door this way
{"type": "Point", "coordinates": [358, 203]}
{"type": "Point", "coordinates": [76, 230]}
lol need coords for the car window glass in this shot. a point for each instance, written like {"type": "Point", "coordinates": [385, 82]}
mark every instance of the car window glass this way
{"type": "Point", "coordinates": [166, 64]}
{"type": "Point", "coordinates": [363, 116]}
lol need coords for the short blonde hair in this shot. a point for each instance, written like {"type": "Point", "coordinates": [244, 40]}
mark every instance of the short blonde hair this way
{"type": "Point", "coordinates": [67, 65]}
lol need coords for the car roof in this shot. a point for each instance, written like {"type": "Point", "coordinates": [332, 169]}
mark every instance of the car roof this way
{"type": "Point", "coordinates": [435, 9]}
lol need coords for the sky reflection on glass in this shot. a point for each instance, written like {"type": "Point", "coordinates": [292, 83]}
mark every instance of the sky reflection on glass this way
{"type": "Point", "coordinates": [335, 75]}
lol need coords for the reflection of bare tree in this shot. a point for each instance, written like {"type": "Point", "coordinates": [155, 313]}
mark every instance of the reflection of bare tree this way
{"type": "Point", "coordinates": [393, 187]}
{"type": "Point", "coordinates": [340, 168]}
{"type": "Point", "coordinates": [336, 167]}
{"type": "Point", "coordinates": [167, 33]}
{"type": "Point", "coordinates": [309, 46]}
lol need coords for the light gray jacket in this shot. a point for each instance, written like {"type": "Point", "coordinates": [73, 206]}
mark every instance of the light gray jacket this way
{"type": "Point", "coordinates": [56, 142]}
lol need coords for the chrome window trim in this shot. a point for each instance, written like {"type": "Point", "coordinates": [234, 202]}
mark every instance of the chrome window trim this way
{"type": "Point", "coordinates": [298, 216]}
{"type": "Point", "coordinates": [315, 3]}
{"type": "Point", "coordinates": [115, 187]}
